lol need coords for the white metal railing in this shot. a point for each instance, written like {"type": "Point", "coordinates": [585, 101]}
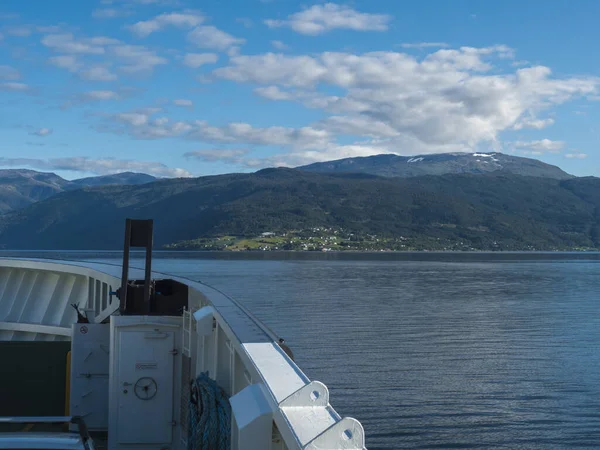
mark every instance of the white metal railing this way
{"type": "Point", "coordinates": [219, 336]}
{"type": "Point", "coordinates": [36, 298]}
{"type": "Point", "coordinates": [266, 387]}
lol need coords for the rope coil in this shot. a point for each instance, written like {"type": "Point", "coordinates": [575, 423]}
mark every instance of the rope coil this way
{"type": "Point", "coordinates": [210, 416]}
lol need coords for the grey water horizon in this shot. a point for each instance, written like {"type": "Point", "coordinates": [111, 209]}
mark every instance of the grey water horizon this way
{"type": "Point", "coordinates": [428, 350]}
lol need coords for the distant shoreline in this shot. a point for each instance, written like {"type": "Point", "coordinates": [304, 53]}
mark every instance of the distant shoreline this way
{"type": "Point", "coordinates": [313, 252]}
{"type": "Point", "coordinates": [364, 252]}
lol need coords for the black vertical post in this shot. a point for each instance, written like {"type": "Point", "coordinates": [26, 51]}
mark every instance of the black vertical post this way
{"type": "Point", "coordinates": [125, 272]}
{"type": "Point", "coordinates": [138, 233]}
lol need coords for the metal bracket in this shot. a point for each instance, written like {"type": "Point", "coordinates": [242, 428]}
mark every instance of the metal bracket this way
{"type": "Point", "coordinates": [347, 434]}
{"type": "Point", "coordinates": [313, 394]}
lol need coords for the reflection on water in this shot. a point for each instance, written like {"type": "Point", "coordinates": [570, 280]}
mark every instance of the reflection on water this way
{"type": "Point", "coordinates": [432, 350]}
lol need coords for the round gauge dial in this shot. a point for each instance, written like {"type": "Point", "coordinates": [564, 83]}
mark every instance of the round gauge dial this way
{"type": "Point", "coordinates": [145, 388]}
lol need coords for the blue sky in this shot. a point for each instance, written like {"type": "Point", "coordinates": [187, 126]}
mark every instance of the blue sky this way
{"type": "Point", "coordinates": [171, 88]}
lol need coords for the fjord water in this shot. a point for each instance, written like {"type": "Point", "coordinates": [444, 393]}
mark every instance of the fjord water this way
{"type": "Point", "coordinates": [432, 350]}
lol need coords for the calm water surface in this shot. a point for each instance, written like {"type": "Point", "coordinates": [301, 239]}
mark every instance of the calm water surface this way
{"type": "Point", "coordinates": [433, 351]}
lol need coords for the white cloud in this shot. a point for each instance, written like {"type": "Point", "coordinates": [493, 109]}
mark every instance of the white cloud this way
{"type": "Point", "coordinates": [234, 51]}
{"type": "Point", "coordinates": [279, 45]}
{"type": "Point", "coordinates": [110, 13]}
{"type": "Point", "coordinates": [530, 122]}
{"type": "Point", "coordinates": [421, 45]}
{"type": "Point", "coordinates": [540, 145]}
{"type": "Point", "coordinates": [359, 125]}
{"type": "Point", "coordinates": [73, 64]}
{"type": "Point", "coordinates": [232, 155]}
{"type": "Point", "coordinates": [66, 43]}
{"type": "Point", "coordinates": [468, 58]}
{"type": "Point", "coordinates": [99, 166]}
{"type": "Point", "coordinates": [298, 145]}
{"type": "Point", "coordinates": [179, 20]}
{"type": "Point", "coordinates": [42, 132]}
{"type": "Point", "coordinates": [196, 60]}
{"type": "Point", "coordinates": [132, 59]}
{"type": "Point", "coordinates": [68, 62]}
{"type": "Point", "coordinates": [103, 40]}
{"type": "Point", "coordinates": [211, 37]}
{"type": "Point", "coordinates": [272, 68]}
{"type": "Point", "coordinates": [9, 73]}
{"type": "Point", "coordinates": [136, 58]}
{"type": "Point", "coordinates": [18, 30]}
{"type": "Point", "coordinates": [274, 93]}
{"type": "Point", "coordinates": [450, 100]}
{"type": "Point", "coordinates": [309, 98]}
{"type": "Point", "coordinates": [100, 95]}
{"type": "Point", "coordinates": [319, 19]}
{"type": "Point", "coordinates": [13, 86]}
{"type": "Point", "coordinates": [98, 73]}
{"type": "Point", "coordinates": [576, 155]}
{"type": "Point", "coordinates": [305, 137]}
{"type": "Point", "coordinates": [375, 69]}
{"type": "Point", "coordinates": [142, 125]}
{"type": "Point", "coordinates": [134, 119]}
{"type": "Point", "coordinates": [184, 103]}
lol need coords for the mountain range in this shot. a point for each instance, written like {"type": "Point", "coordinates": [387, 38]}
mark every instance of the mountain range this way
{"type": "Point", "coordinates": [21, 187]}
{"type": "Point", "coordinates": [495, 211]}
{"type": "Point", "coordinates": [439, 164]}
{"type": "Point", "coordinates": [521, 205]}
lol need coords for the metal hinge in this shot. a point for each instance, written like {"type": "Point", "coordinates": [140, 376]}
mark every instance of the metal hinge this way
{"type": "Point", "coordinates": [174, 352]}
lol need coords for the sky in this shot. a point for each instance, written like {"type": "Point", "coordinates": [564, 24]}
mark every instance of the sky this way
{"type": "Point", "coordinates": [185, 88]}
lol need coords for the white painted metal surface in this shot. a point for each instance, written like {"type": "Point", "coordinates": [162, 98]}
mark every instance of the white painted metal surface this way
{"type": "Point", "coordinates": [35, 298]}
{"type": "Point", "coordinates": [252, 420]}
{"type": "Point", "coordinates": [144, 375]}
{"type": "Point", "coordinates": [79, 440]}
{"type": "Point", "coordinates": [42, 441]}
{"type": "Point", "coordinates": [90, 350]}
{"type": "Point", "coordinates": [227, 341]}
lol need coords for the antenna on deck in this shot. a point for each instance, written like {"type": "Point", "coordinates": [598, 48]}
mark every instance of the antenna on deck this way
{"type": "Point", "coordinates": [138, 233]}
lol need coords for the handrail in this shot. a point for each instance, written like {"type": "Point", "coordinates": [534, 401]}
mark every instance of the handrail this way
{"type": "Point", "coordinates": [35, 328]}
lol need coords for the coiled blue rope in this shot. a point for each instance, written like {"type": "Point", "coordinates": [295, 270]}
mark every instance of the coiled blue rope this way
{"type": "Point", "coordinates": [210, 416]}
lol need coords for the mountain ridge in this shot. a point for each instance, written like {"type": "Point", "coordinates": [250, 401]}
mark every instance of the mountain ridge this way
{"type": "Point", "coordinates": [392, 165]}
{"type": "Point", "coordinates": [114, 179]}
{"type": "Point", "coordinates": [498, 211]}
{"type": "Point", "coordinates": [20, 188]}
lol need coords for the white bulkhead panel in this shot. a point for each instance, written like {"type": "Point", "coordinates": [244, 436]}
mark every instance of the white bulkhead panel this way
{"type": "Point", "coordinates": [146, 379]}
{"type": "Point", "coordinates": [90, 349]}
{"type": "Point", "coordinates": [144, 364]}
